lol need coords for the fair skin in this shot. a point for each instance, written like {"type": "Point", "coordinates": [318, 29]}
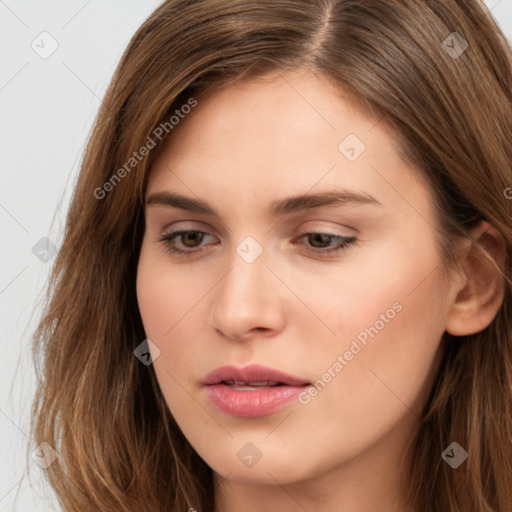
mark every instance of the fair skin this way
{"type": "Point", "coordinates": [240, 150]}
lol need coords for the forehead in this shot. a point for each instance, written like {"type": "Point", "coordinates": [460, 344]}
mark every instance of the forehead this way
{"type": "Point", "coordinates": [283, 134]}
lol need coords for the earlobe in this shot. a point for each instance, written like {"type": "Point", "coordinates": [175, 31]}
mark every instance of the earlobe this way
{"type": "Point", "coordinates": [479, 297]}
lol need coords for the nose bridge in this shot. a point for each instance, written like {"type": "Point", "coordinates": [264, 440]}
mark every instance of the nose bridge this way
{"type": "Point", "coordinates": [244, 300]}
{"type": "Point", "coordinates": [247, 278]}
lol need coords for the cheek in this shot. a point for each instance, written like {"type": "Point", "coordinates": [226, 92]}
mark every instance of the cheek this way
{"type": "Point", "coordinates": [395, 288]}
{"type": "Point", "coordinates": [163, 304]}
{"type": "Point", "coordinates": [388, 334]}
{"type": "Point", "coordinates": [164, 296]}
{"type": "Point", "coordinates": [387, 382]}
{"type": "Point", "coordinates": [159, 305]}
{"type": "Point", "coordinates": [169, 300]}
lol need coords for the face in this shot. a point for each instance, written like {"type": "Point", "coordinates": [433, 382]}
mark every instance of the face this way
{"type": "Point", "coordinates": [283, 230]}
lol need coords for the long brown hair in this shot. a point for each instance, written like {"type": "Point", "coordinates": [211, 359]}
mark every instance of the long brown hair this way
{"type": "Point", "coordinates": [451, 106]}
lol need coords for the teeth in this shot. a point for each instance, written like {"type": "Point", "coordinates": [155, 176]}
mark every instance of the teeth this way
{"type": "Point", "coordinates": [260, 383]}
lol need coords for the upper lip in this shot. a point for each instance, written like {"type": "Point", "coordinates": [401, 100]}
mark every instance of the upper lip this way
{"type": "Point", "coordinates": [251, 373]}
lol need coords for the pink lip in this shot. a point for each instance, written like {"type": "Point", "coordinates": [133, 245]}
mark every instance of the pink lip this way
{"type": "Point", "coordinates": [251, 403]}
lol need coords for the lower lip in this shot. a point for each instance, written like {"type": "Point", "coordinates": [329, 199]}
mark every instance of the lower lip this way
{"type": "Point", "coordinates": [252, 403]}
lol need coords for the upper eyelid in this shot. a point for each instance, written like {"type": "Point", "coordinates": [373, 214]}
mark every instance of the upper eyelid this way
{"type": "Point", "coordinates": [299, 232]}
{"type": "Point", "coordinates": [159, 214]}
{"type": "Point", "coordinates": [285, 224]}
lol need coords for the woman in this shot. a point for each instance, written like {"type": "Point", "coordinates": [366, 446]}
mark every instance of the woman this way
{"type": "Point", "coordinates": [285, 282]}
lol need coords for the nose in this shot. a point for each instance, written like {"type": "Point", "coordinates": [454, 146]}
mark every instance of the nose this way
{"type": "Point", "coordinates": [248, 301]}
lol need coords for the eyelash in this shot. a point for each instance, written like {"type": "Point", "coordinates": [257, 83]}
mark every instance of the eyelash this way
{"type": "Point", "coordinates": [345, 242]}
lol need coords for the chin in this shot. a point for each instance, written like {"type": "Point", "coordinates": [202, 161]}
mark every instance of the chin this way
{"type": "Point", "coordinates": [270, 469]}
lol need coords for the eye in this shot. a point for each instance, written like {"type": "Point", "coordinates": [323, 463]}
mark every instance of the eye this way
{"type": "Point", "coordinates": [190, 239]}
{"type": "Point", "coordinates": [317, 243]}
{"type": "Point", "coordinates": [323, 242]}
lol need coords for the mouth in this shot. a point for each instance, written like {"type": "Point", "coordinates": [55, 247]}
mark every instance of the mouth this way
{"type": "Point", "coordinates": [242, 385]}
{"type": "Point", "coordinates": [253, 375]}
{"type": "Point", "coordinates": [252, 391]}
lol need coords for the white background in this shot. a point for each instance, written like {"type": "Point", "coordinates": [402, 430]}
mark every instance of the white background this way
{"type": "Point", "coordinates": [47, 109]}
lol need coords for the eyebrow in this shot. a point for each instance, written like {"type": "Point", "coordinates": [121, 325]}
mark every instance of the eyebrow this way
{"type": "Point", "coordinates": [286, 206]}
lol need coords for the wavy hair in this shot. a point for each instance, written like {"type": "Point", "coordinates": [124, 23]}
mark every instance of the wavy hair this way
{"type": "Point", "coordinates": [102, 410]}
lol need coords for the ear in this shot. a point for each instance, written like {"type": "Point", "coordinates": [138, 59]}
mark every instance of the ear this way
{"type": "Point", "coordinates": [479, 293]}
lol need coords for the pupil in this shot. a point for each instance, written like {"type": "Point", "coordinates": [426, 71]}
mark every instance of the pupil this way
{"type": "Point", "coordinates": [322, 238]}
{"type": "Point", "coordinates": [194, 236]}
